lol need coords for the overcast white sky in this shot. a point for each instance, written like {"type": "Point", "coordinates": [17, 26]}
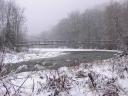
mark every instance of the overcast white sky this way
{"type": "Point", "coordinates": [41, 15]}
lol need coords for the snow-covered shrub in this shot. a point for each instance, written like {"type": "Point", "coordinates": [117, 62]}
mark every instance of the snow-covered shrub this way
{"type": "Point", "coordinates": [59, 84]}
{"type": "Point", "coordinates": [111, 90]}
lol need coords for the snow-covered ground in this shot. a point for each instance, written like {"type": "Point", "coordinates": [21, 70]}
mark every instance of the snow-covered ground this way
{"type": "Point", "coordinates": [26, 56]}
{"type": "Point", "coordinates": [100, 78]}
{"type": "Point", "coordinates": [69, 49]}
{"type": "Point", "coordinates": [39, 53]}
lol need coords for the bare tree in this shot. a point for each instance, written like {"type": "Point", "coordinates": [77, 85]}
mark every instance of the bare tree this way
{"type": "Point", "coordinates": [14, 25]}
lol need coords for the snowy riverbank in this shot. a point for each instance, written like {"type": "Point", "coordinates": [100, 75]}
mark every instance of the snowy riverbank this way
{"type": "Point", "coordinates": [100, 78]}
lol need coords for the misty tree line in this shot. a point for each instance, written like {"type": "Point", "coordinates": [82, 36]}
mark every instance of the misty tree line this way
{"type": "Point", "coordinates": [109, 23]}
{"type": "Point", "coordinates": [11, 24]}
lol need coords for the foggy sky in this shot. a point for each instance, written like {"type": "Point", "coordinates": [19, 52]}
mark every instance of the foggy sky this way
{"type": "Point", "coordinates": [42, 15]}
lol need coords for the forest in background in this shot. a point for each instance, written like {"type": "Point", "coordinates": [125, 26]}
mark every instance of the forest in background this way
{"type": "Point", "coordinates": [107, 23]}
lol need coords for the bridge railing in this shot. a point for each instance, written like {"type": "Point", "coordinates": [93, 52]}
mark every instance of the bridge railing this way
{"type": "Point", "coordinates": [59, 43]}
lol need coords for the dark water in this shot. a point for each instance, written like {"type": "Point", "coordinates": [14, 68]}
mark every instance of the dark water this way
{"type": "Point", "coordinates": [69, 59]}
